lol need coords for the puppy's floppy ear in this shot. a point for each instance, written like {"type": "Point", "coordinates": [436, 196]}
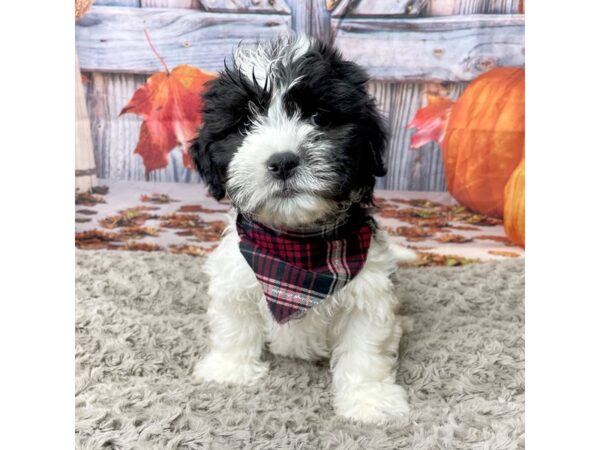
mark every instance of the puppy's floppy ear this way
{"type": "Point", "coordinates": [377, 138]}
{"type": "Point", "coordinates": [375, 132]}
{"type": "Point", "coordinates": [209, 171]}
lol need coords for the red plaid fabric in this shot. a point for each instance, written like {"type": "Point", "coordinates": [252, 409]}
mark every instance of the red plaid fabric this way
{"type": "Point", "coordinates": [299, 269]}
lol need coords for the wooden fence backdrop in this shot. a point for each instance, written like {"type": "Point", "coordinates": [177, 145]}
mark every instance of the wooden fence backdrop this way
{"type": "Point", "coordinates": [410, 48]}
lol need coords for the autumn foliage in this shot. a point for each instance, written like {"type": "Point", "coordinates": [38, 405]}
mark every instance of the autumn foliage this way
{"type": "Point", "coordinates": [170, 104]}
{"type": "Point", "coordinates": [482, 136]}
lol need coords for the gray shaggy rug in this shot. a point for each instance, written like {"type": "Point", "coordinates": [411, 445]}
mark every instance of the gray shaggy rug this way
{"type": "Point", "coordinates": [140, 327]}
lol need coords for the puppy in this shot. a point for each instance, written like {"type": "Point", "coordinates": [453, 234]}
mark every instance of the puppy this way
{"type": "Point", "coordinates": [294, 140]}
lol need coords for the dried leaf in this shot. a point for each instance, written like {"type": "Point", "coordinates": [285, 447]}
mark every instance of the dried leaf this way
{"type": "Point", "coordinates": [175, 220]}
{"type": "Point", "coordinates": [503, 253]}
{"type": "Point", "coordinates": [86, 212]}
{"type": "Point", "coordinates": [485, 221]}
{"type": "Point", "coordinates": [431, 121]}
{"type": "Point", "coordinates": [96, 239]}
{"type": "Point", "coordinates": [156, 198]}
{"type": "Point", "coordinates": [453, 238]}
{"type": "Point", "coordinates": [126, 218]}
{"type": "Point", "coordinates": [199, 209]}
{"type": "Point", "coordinates": [141, 247]}
{"type": "Point", "coordinates": [170, 104]}
{"type": "Point", "coordinates": [464, 228]}
{"type": "Point", "coordinates": [500, 239]}
{"type": "Point", "coordinates": [88, 199]}
{"type": "Point", "coordinates": [188, 249]}
{"type": "Point", "coordinates": [138, 232]}
{"type": "Point", "coordinates": [140, 208]}
{"type": "Point", "coordinates": [427, 259]}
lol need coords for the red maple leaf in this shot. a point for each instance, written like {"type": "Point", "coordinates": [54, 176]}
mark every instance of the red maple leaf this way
{"type": "Point", "coordinates": [170, 104]}
{"type": "Point", "coordinates": [431, 121]}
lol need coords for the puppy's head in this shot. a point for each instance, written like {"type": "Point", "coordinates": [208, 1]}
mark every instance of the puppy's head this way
{"type": "Point", "coordinates": [290, 134]}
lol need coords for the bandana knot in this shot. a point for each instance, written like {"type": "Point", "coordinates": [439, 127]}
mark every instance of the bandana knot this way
{"type": "Point", "coordinates": [299, 269]}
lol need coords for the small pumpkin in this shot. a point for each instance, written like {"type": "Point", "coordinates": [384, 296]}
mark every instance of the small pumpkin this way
{"type": "Point", "coordinates": [514, 206]}
{"type": "Point", "coordinates": [482, 137]}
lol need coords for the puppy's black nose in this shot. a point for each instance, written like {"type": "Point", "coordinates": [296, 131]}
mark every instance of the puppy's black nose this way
{"type": "Point", "coordinates": [282, 165]}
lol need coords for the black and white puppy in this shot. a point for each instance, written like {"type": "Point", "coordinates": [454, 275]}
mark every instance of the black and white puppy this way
{"type": "Point", "coordinates": [293, 138]}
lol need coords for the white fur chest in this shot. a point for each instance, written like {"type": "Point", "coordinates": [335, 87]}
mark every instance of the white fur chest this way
{"type": "Point", "coordinates": [233, 283]}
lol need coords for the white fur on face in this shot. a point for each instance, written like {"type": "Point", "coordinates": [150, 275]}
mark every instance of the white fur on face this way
{"type": "Point", "coordinates": [252, 188]}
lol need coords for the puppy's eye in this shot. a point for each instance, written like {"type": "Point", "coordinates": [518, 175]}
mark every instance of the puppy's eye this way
{"type": "Point", "coordinates": [244, 127]}
{"type": "Point", "coordinates": [319, 119]}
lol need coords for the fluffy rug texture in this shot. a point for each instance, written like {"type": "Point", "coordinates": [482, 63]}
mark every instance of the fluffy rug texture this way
{"type": "Point", "coordinates": [140, 327]}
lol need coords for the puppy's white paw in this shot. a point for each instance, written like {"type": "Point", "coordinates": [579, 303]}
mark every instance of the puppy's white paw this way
{"type": "Point", "coordinates": [227, 369]}
{"type": "Point", "coordinates": [403, 254]}
{"type": "Point", "coordinates": [372, 402]}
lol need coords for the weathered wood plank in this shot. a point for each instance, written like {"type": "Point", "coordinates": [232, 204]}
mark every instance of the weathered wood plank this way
{"type": "Point", "coordinates": [115, 137]}
{"type": "Point", "coordinates": [128, 3]}
{"type": "Point", "coordinates": [353, 8]}
{"type": "Point", "coordinates": [320, 21]}
{"type": "Point", "coordinates": [457, 48]}
{"type": "Point", "coordinates": [453, 7]}
{"type": "Point", "coordinates": [111, 39]}
{"type": "Point", "coordinates": [186, 4]}
{"type": "Point", "coordinates": [85, 166]}
{"type": "Point", "coordinates": [257, 6]}
{"type": "Point", "coordinates": [301, 13]}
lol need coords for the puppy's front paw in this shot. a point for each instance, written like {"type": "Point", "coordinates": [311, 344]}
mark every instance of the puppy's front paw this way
{"type": "Point", "coordinates": [227, 369]}
{"type": "Point", "coordinates": [372, 402]}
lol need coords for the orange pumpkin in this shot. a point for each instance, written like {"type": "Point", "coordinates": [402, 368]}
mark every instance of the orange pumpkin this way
{"type": "Point", "coordinates": [485, 139]}
{"type": "Point", "coordinates": [514, 206]}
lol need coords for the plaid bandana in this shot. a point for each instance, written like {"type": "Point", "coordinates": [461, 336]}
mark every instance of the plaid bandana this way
{"type": "Point", "coordinates": [299, 269]}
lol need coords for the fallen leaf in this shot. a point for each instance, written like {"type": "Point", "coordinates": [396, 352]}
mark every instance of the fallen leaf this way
{"type": "Point", "coordinates": [199, 209]}
{"type": "Point", "coordinates": [170, 104]}
{"type": "Point", "coordinates": [431, 121]}
{"type": "Point", "coordinates": [140, 208]}
{"type": "Point", "coordinates": [88, 199]}
{"type": "Point", "coordinates": [453, 238]}
{"type": "Point", "coordinates": [96, 239]}
{"type": "Point", "coordinates": [138, 232]}
{"type": "Point", "coordinates": [188, 249]}
{"type": "Point", "coordinates": [503, 253]}
{"type": "Point", "coordinates": [86, 212]}
{"type": "Point", "coordinates": [464, 228]}
{"type": "Point", "coordinates": [412, 232]}
{"type": "Point", "coordinates": [485, 221]}
{"type": "Point", "coordinates": [175, 220]}
{"type": "Point", "coordinates": [141, 247]}
{"type": "Point", "coordinates": [427, 259]}
{"type": "Point", "coordinates": [501, 239]}
{"type": "Point", "coordinates": [126, 218]}
{"type": "Point", "coordinates": [159, 199]}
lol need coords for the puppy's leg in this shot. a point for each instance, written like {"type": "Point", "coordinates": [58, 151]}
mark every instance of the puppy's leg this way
{"type": "Point", "coordinates": [236, 338]}
{"type": "Point", "coordinates": [363, 364]}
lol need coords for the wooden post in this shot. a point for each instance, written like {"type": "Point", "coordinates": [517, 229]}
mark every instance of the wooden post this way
{"type": "Point", "coordinates": [85, 166]}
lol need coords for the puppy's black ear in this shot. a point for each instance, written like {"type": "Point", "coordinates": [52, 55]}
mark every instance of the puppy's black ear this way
{"type": "Point", "coordinates": [377, 138]}
{"type": "Point", "coordinates": [209, 171]}
{"type": "Point", "coordinates": [375, 131]}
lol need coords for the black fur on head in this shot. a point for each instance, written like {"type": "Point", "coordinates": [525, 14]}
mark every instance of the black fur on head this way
{"type": "Point", "coordinates": [313, 86]}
